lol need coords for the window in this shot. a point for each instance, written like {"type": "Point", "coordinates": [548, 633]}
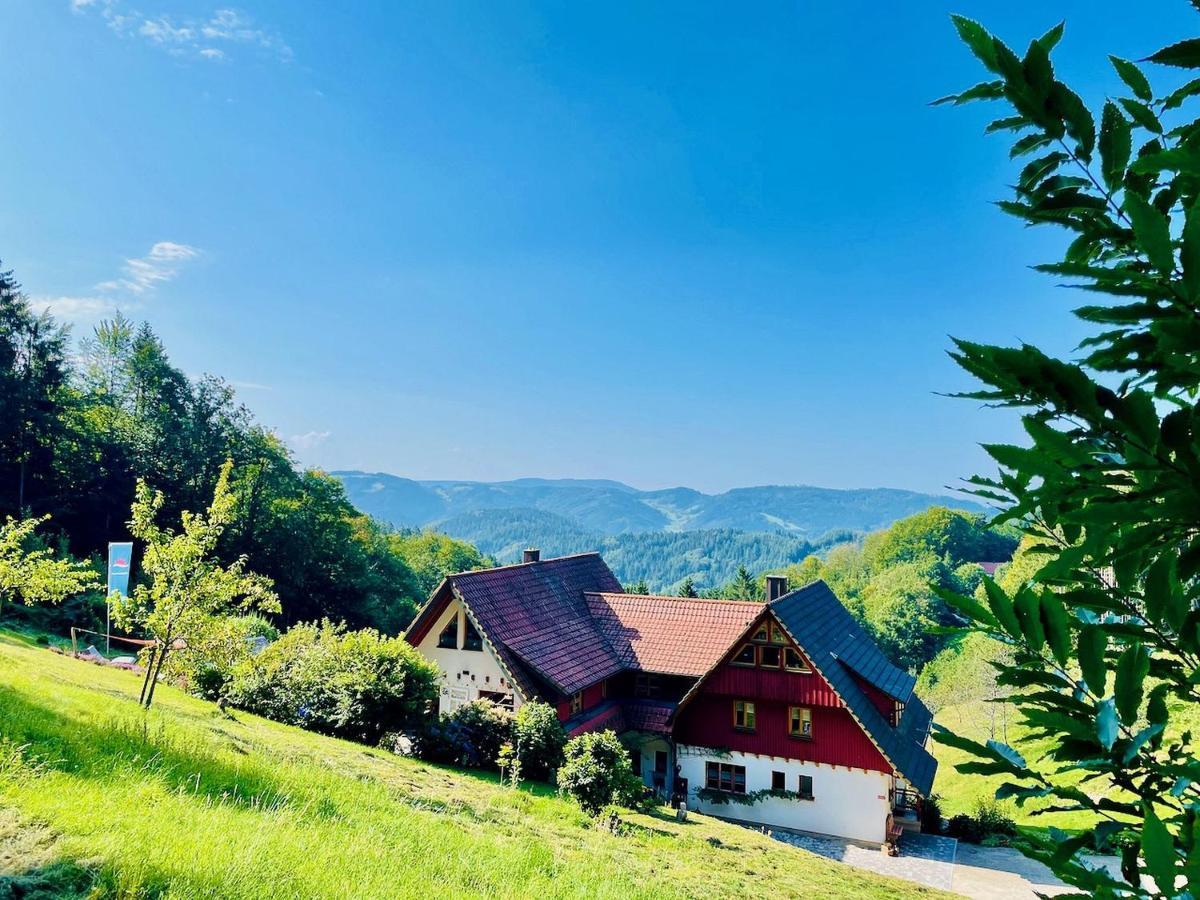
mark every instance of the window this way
{"type": "Point", "coordinates": [448, 639]}
{"type": "Point", "coordinates": [745, 656]}
{"type": "Point", "coordinates": [743, 715]}
{"type": "Point", "coordinates": [805, 787]}
{"type": "Point", "coordinates": [778, 782]}
{"type": "Point", "coordinates": [725, 777]}
{"type": "Point", "coordinates": [769, 657]}
{"type": "Point", "coordinates": [800, 722]}
{"type": "Point", "coordinates": [761, 634]}
{"type": "Point", "coordinates": [660, 761]}
{"type": "Point", "coordinates": [793, 661]}
{"type": "Point", "coordinates": [777, 635]}
{"type": "Point", "coordinates": [472, 640]}
{"type": "Point", "coordinates": [647, 685]}
{"type": "Point", "coordinates": [635, 760]}
{"type": "Point", "coordinates": [576, 702]}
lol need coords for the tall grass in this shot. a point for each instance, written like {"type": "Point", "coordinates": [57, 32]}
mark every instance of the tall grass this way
{"type": "Point", "coordinates": [99, 797]}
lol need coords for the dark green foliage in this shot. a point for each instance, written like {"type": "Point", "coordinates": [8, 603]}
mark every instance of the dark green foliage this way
{"type": "Point", "coordinates": [538, 740]}
{"type": "Point", "coordinates": [77, 434]}
{"type": "Point", "coordinates": [596, 771]}
{"type": "Point", "coordinates": [353, 684]}
{"type": "Point", "coordinates": [470, 736]}
{"type": "Point", "coordinates": [987, 823]}
{"type": "Point", "coordinates": [1102, 648]}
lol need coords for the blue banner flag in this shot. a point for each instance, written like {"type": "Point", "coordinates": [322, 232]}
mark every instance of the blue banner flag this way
{"type": "Point", "coordinates": [119, 558]}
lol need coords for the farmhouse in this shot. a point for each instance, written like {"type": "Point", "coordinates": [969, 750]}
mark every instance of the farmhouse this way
{"type": "Point", "coordinates": [781, 713]}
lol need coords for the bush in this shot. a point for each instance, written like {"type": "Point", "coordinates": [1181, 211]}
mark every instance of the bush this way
{"type": "Point", "coordinates": [596, 772]}
{"type": "Point", "coordinates": [538, 740]}
{"type": "Point", "coordinates": [989, 822]}
{"type": "Point", "coordinates": [206, 665]}
{"type": "Point", "coordinates": [470, 736]}
{"type": "Point", "coordinates": [354, 684]}
{"type": "Point", "coordinates": [931, 815]}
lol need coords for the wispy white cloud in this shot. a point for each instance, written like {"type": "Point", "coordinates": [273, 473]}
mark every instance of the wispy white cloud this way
{"type": "Point", "coordinates": [309, 439]}
{"type": "Point", "coordinates": [250, 385]}
{"type": "Point", "coordinates": [209, 37]}
{"type": "Point", "coordinates": [145, 273]}
{"type": "Point", "coordinates": [139, 278]}
{"type": "Point", "coordinates": [75, 308]}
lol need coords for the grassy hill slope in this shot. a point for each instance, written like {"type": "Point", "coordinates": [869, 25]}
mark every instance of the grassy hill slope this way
{"type": "Point", "coordinates": [181, 802]}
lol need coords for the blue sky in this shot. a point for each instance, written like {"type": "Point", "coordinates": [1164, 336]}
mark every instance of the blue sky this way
{"type": "Point", "coordinates": [702, 244]}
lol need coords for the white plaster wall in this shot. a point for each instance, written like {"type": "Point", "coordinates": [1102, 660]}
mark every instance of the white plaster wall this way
{"type": "Point", "coordinates": [464, 672]}
{"type": "Point", "coordinates": [848, 803]}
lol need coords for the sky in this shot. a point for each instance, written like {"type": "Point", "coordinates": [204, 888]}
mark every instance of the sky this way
{"type": "Point", "coordinates": [699, 244]}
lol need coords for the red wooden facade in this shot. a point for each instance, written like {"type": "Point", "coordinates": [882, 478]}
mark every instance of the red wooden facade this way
{"type": "Point", "coordinates": [593, 696]}
{"type": "Point", "coordinates": [707, 720]}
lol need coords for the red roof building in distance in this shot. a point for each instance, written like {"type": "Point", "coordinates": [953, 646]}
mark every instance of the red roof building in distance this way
{"type": "Point", "coordinates": [782, 713]}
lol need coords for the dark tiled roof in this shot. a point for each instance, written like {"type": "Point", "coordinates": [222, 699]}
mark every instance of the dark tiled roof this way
{"type": "Point", "coordinates": [536, 613]}
{"type": "Point", "coordinates": [608, 714]}
{"type": "Point", "coordinates": [670, 635]}
{"type": "Point", "coordinates": [839, 648]}
{"type": "Point", "coordinates": [648, 715]}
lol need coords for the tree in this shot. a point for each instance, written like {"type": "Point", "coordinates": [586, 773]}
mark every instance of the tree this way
{"type": "Point", "coordinates": [432, 556]}
{"type": "Point", "coordinates": [638, 587]}
{"type": "Point", "coordinates": [688, 588]}
{"type": "Point", "coordinates": [1103, 631]}
{"type": "Point", "coordinates": [596, 771]}
{"type": "Point", "coordinates": [744, 586]}
{"type": "Point", "coordinates": [31, 572]}
{"type": "Point", "coordinates": [186, 586]}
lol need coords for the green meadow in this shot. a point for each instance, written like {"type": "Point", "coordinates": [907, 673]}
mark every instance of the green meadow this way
{"type": "Point", "coordinates": [99, 798]}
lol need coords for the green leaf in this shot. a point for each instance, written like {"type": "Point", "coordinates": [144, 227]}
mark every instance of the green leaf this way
{"type": "Point", "coordinates": [1132, 76]}
{"type": "Point", "coordinates": [1107, 726]}
{"type": "Point", "coordinates": [1184, 55]}
{"type": "Point", "coordinates": [1142, 114]}
{"type": "Point", "coordinates": [1175, 98]}
{"type": "Point", "coordinates": [1152, 232]}
{"type": "Point", "coordinates": [985, 90]}
{"type": "Point", "coordinates": [1038, 72]}
{"type": "Point", "coordinates": [1029, 614]}
{"type": "Point", "coordinates": [1028, 144]}
{"type": "Point", "coordinates": [1190, 254]}
{"type": "Point", "coordinates": [1164, 598]}
{"type": "Point", "coordinates": [1158, 850]}
{"type": "Point", "coordinates": [1050, 39]}
{"type": "Point", "coordinates": [979, 40]}
{"type": "Point", "coordinates": [971, 608]}
{"type": "Point", "coordinates": [1056, 623]}
{"type": "Point", "coordinates": [1079, 122]}
{"type": "Point", "coordinates": [1183, 161]}
{"type": "Point", "coordinates": [1001, 607]}
{"type": "Point", "coordinates": [1008, 753]}
{"type": "Point", "coordinates": [1116, 145]}
{"type": "Point", "coordinates": [1132, 668]}
{"type": "Point", "coordinates": [1092, 645]}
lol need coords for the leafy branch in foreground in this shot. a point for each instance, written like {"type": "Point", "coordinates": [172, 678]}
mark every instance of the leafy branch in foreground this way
{"type": "Point", "coordinates": [185, 586]}
{"type": "Point", "coordinates": [1105, 635]}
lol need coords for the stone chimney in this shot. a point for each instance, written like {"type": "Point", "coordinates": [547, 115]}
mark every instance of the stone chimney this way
{"type": "Point", "coordinates": [532, 554]}
{"type": "Point", "coordinates": [777, 586]}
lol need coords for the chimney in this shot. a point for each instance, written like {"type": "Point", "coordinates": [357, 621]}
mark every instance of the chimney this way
{"type": "Point", "coordinates": [777, 586]}
{"type": "Point", "coordinates": [532, 554]}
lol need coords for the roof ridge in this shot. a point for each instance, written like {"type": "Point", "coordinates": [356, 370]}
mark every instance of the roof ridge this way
{"type": "Point", "coordinates": [521, 565]}
{"type": "Point", "coordinates": [730, 600]}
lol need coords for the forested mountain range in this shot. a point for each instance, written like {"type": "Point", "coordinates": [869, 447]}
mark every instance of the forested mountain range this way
{"type": "Point", "coordinates": [659, 536]}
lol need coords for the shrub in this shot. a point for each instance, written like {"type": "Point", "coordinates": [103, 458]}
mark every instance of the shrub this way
{"type": "Point", "coordinates": [470, 736]}
{"type": "Point", "coordinates": [206, 665]}
{"type": "Point", "coordinates": [538, 740]}
{"type": "Point", "coordinates": [354, 684]}
{"type": "Point", "coordinates": [931, 815]}
{"type": "Point", "coordinates": [989, 822]}
{"type": "Point", "coordinates": [596, 772]}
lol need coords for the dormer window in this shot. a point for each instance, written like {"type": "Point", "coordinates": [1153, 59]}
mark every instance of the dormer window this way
{"type": "Point", "coordinates": [472, 640]}
{"type": "Point", "coordinates": [761, 634]}
{"type": "Point", "coordinates": [448, 639]}
{"type": "Point", "coordinates": [793, 661]}
{"type": "Point", "coordinates": [745, 656]}
{"type": "Point", "coordinates": [769, 657]}
{"type": "Point", "coordinates": [777, 635]}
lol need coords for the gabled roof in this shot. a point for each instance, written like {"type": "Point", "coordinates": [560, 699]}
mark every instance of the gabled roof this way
{"type": "Point", "coordinates": [839, 649]}
{"type": "Point", "coordinates": [535, 616]}
{"type": "Point", "coordinates": [670, 635]}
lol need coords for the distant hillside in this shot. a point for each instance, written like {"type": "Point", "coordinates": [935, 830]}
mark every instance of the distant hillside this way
{"type": "Point", "coordinates": [663, 558]}
{"type": "Point", "coordinates": [661, 536]}
{"type": "Point", "coordinates": [609, 507]}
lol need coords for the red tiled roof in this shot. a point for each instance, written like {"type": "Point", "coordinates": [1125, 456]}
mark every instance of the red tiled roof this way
{"type": "Point", "coordinates": [670, 635]}
{"type": "Point", "coordinates": [535, 613]}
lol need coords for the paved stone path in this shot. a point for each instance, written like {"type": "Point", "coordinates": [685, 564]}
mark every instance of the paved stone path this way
{"type": "Point", "coordinates": [982, 873]}
{"type": "Point", "coordinates": [924, 858]}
